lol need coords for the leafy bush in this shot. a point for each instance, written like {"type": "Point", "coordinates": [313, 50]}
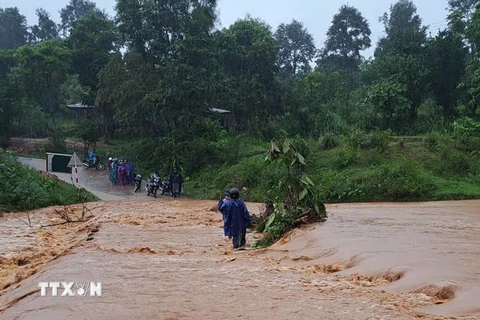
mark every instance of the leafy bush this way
{"type": "Point", "coordinates": [379, 140]}
{"type": "Point", "coordinates": [329, 141]}
{"type": "Point", "coordinates": [398, 181]}
{"type": "Point", "coordinates": [348, 156]}
{"type": "Point", "coordinates": [57, 140]}
{"type": "Point", "coordinates": [431, 141]}
{"type": "Point", "coordinates": [22, 188]}
{"type": "Point", "coordinates": [467, 126]}
{"type": "Point", "coordinates": [298, 198]}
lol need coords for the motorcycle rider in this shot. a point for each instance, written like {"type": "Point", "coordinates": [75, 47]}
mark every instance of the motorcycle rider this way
{"type": "Point", "coordinates": [92, 157]}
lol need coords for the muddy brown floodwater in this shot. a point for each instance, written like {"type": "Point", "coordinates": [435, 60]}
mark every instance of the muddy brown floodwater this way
{"type": "Point", "coordinates": [167, 259]}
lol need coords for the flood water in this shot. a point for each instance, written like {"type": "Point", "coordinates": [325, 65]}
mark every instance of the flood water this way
{"type": "Point", "coordinates": [168, 259]}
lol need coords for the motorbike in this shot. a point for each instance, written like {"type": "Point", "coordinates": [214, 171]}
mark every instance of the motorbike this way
{"type": "Point", "coordinates": [137, 182]}
{"type": "Point", "coordinates": [97, 164]}
{"type": "Point", "coordinates": [164, 186]}
{"type": "Point", "coordinates": [153, 184]}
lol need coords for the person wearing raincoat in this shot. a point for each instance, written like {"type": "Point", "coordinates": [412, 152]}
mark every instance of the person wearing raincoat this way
{"type": "Point", "coordinates": [113, 171]}
{"type": "Point", "coordinates": [122, 173]}
{"type": "Point", "coordinates": [222, 203]}
{"type": "Point", "coordinates": [176, 183]}
{"type": "Point", "coordinates": [237, 219]}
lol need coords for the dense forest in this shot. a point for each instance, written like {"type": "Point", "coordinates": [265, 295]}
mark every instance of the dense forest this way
{"type": "Point", "coordinates": [155, 70]}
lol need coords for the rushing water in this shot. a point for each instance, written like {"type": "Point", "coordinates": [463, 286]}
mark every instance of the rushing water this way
{"type": "Point", "coordinates": [167, 259]}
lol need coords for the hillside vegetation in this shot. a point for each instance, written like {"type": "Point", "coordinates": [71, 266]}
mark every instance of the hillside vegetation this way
{"type": "Point", "coordinates": [401, 125]}
{"type": "Point", "coordinates": [23, 188]}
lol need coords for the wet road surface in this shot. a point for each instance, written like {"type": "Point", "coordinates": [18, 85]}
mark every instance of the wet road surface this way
{"type": "Point", "coordinates": [94, 181]}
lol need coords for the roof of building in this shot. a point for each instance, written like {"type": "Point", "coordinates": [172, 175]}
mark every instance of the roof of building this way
{"type": "Point", "coordinates": [216, 110]}
{"type": "Point", "coordinates": [79, 106]}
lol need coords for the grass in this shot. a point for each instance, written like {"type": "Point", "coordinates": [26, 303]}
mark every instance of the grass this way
{"type": "Point", "coordinates": [406, 171]}
{"type": "Point", "coordinates": [23, 188]}
{"type": "Point", "coordinates": [409, 169]}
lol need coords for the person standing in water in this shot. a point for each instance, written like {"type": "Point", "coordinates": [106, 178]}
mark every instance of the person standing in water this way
{"type": "Point", "coordinates": [237, 219]}
{"type": "Point", "coordinates": [223, 200]}
{"type": "Point", "coordinates": [176, 182]}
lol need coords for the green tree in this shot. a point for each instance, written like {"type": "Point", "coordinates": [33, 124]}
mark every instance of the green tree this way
{"type": "Point", "coordinates": [296, 48]}
{"type": "Point", "coordinates": [77, 9]}
{"type": "Point", "coordinates": [390, 101]}
{"type": "Point", "coordinates": [8, 94]}
{"type": "Point", "coordinates": [43, 69]}
{"type": "Point", "coordinates": [152, 27]}
{"type": "Point", "coordinates": [46, 29]}
{"type": "Point", "coordinates": [348, 35]}
{"type": "Point", "coordinates": [248, 56]}
{"type": "Point", "coordinates": [465, 7]}
{"type": "Point", "coordinates": [93, 41]}
{"type": "Point", "coordinates": [446, 58]}
{"type": "Point", "coordinates": [316, 96]}
{"type": "Point", "coordinates": [404, 31]}
{"type": "Point", "coordinates": [13, 28]}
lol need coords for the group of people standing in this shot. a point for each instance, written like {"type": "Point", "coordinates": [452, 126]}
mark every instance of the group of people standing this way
{"type": "Point", "coordinates": [236, 217]}
{"type": "Point", "coordinates": [120, 171]}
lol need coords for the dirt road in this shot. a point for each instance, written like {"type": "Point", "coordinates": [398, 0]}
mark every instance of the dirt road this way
{"type": "Point", "coordinates": [168, 259]}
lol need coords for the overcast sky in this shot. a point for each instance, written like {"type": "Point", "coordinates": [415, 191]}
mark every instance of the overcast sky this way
{"type": "Point", "coordinates": [315, 14]}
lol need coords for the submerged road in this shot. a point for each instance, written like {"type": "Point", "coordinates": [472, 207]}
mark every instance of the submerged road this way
{"type": "Point", "coordinates": [169, 260]}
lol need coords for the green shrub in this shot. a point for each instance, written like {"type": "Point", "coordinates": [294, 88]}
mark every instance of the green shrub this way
{"type": "Point", "coordinates": [432, 141]}
{"type": "Point", "coordinates": [348, 156]}
{"type": "Point", "coordinates": [329, 141]}
{"type": "Point", "coordinates": [398, 181]}
{"type": "Point", "coordinates": [455, 162]}
{"type": "Point", "coordinates": [22, 188]}
{"type": "Point", "coordinates": [379, 140]}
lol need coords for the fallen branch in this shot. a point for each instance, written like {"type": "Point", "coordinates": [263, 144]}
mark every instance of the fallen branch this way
{"type": "Point", "coordinates": [28, 221]}
{"type": "Point", "coordinates": [62, 223]}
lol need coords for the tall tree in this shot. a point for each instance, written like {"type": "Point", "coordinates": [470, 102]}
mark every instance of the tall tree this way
{"type": "Point", "coordinates": [75, 10]}
{"type": "Point", "coordinates": [461, 15]}
{"type": "Point", "coordinates": [446, 62]}
{"type": "Point", "coordinates": [348, 35]}
{"type": "Point", "coordinates": [44, 68]}
{"type": "Point", "coordinates": [404, 31]}
{"type": "Point", "coordinates": [13, 28]}
{"type": "Point", "coordinates": [93, 41]}
{"type": "Point", "coordinates": [248, 61]}
{"type": "Point", "coordinates": [8, 93]}
{"type": "Point", "coordinates": [46, 29]}
{"type": "Point", "coordinates": [465, 7]}
{"type": "Point", "coordinates": [296, 48]}
{"type": "Point", "coordinates": [152, 27]}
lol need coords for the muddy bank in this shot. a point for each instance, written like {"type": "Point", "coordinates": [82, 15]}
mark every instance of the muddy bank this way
{"type": "Point", "coordinates": [169, 260]}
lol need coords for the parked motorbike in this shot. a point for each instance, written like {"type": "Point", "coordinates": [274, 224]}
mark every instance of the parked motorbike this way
{"type": "Point", "coordinates": [153, 184]}
{"type": "Point", "coordinates": [97, 164]}
{"type": "Point", "coordinates": [137, 182]}
{"type": "Point", "coordinates": [164, 187]}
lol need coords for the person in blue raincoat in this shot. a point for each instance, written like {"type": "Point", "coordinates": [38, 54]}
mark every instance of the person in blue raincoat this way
{"type": "Point", "coordinates": [113, 171]}
{"type": "Point", "coordinates": [223, 199]}
{"type": "Point", "coordinates": [237, 219]}
{"type": "Point", "coordinates": [92, 157]}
